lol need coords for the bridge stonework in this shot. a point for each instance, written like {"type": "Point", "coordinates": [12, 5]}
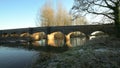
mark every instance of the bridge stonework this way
{"type": "Point", "coordinates": [86, 29]}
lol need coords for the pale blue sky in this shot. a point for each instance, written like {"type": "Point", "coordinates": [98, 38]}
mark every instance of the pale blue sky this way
{"type": "Point", "coordinates": [22, 13]}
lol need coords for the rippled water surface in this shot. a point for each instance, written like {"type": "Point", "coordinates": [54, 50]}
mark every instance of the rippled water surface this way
{"type": "Point", "coordinates": [17, 57]}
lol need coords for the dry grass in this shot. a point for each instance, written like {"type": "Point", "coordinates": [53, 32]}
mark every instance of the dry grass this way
{"type": "Point", "coordinates": [97, 53]}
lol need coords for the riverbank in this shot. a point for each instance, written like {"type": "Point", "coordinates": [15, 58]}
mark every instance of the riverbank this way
{"type": "Point", "coordinates": [97, 53]}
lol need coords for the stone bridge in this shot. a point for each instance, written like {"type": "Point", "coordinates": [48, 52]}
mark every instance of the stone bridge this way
{"type": "Point", "coordinates": [87, 29]}
{"type": "Point", "coordinates": [14, 34]}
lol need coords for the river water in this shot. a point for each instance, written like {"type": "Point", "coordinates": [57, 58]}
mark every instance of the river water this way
{"type": "Point", "coordinates": [14, 56]}
{"type": "Point", "coordinates": [17, 57]}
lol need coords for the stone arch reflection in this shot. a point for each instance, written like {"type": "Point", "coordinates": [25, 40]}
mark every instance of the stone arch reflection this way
{"type": "Point", "coordinates": [56, 39]}
{"type": "Point", "coordinates": [98, 34]}
{"type": "Point", "coordinates": [76, 38]}
{"type": "Point", "coordinates": [39, 39]}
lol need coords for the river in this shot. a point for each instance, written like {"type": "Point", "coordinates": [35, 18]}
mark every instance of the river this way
{"type": "Point", "coordinates": [17, 57]}
{"type": "Point", "coordinates": [25, 56]}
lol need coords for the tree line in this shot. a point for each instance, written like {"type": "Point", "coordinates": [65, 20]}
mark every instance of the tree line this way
{"type": "Point", "coordinates": [108, 9]}
{"type": "Point", "coordinates": [59, 16]}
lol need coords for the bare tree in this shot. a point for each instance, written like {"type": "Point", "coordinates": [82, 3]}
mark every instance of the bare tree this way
{"type": "Point", "coordinates": [80, 20]}
{"type": "Point", "coordinates": [50, 17]}
{"type": "Point", "coordinates": [57, 17]}
{"type": "Point", "coordinates": [106, 8]}
{"type": "Point", "coordinates": [47, 15]}
{"type": "Point", "coordinates": [63, 18]}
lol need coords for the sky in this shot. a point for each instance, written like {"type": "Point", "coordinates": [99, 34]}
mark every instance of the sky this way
{"type": "Point", "coordinates": [23, 13]}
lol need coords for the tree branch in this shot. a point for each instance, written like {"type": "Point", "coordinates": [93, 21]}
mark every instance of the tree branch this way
{"type": "Point", "coordinates": [109, 6]}
{"type": "Point", "coordinates": [112, 1]}
{"type": "Point", "coordinates": [101, 5]}
{"type": "Point", "coordinates": [107, 15]}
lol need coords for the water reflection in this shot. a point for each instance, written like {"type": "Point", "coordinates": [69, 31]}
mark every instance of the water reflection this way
{"type": "Point", "coordinates": [23, 56]}
{"type": "Point", "coordinates": [41, 42]}
{"type": "Point", "coordinates": [75, 39]}
{"type": "Point", "coordinates": [16, 57]}
{"type": "Point", "coordinates": [26, 56]}
{"type": "Point", "coordinates": [56, 39]}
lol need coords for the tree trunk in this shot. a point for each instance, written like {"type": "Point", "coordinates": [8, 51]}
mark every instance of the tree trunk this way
{"type": "Point", "coordinates": [117, 21]}
{"type": "Point", "coordinates": [117, 27]}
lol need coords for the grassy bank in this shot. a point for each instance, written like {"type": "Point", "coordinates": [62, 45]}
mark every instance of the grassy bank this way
{"type": "Point", "coordinates": [97, 53]}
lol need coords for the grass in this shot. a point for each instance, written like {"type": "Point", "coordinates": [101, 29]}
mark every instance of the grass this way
{"type": "Point", "coordinates": [97, 53]}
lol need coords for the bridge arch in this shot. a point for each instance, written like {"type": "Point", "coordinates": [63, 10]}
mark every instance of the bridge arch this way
{"type": "Point", "coordinates": [56, 39]}
{"type": "Point", "coordinates": [39, 38]}
{"type": "Point", "coordinates": [98, 34]}
{"type": "Point", "coordinates": [24, 34]}
{"type": "Point", "coordinates": [14, 34]}
{"type": "Point", "coordinates": [75, 38]}
{"type": "Point", "coordinates": [5, 35]}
